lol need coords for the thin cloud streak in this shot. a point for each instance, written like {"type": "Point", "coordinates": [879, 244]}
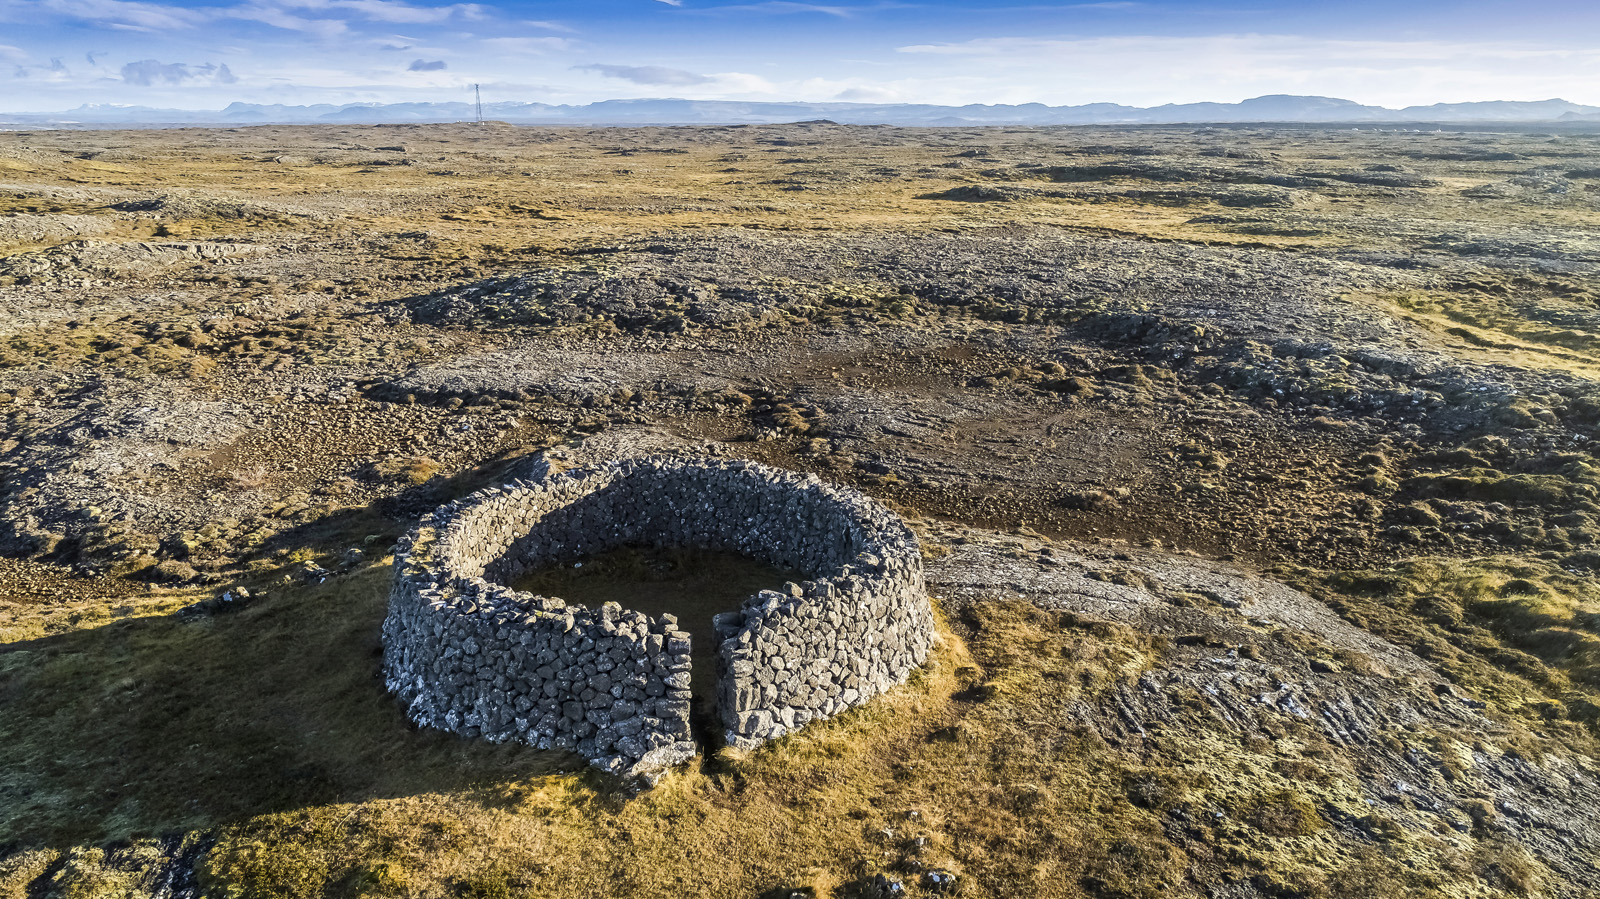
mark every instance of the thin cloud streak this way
{"type": "Point", "coordinates": [790, 7]}
{"type": "Point", "coordinates": [394, 12]}
{"type": "Point", "coordinates": [528, 44]}
{"type": "Point", "coordinates": [550, 26]}
{"type": "Point", "coordinates": [656, 75]}
{"type": "Point", "coordinates": [123, 13]}
{"type": "Point", "coordinates": [290, 15]}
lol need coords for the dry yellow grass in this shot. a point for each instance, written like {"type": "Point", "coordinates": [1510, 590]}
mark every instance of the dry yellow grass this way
{"type": "Point", "coordinates": [1521, 633]}
{"type": "Point", "coordinates": [266, 735]}
{"type": "Point", "coordinates": [1515, 330]}
{"type": "Point", "coordinates": [268, 732]}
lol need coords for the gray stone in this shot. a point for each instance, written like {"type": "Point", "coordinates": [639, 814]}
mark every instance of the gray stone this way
{"type": "Point", "coordinates": [558, 676]}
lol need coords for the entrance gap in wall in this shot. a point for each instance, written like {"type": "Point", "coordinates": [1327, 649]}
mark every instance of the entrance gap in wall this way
{"type": "Point", "coordinates": [693, 584]}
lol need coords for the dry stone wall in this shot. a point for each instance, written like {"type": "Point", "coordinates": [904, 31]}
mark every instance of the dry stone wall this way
{"type": "Point", "coordinates": [468, 654]}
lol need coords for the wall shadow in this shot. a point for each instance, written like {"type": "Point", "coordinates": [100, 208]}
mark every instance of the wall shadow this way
{"type": "Point", "coordinates": [151, 725]}
{"type": "Point", "coordinates": [392, 515]}
{"type": "Point", "coordinates": [690, 583]}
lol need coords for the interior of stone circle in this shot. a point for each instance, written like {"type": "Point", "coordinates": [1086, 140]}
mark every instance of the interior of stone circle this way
{"type": "Point", "coordinates": [655, 566]}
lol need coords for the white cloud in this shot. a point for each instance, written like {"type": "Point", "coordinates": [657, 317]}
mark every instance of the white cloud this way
{"type": "Point", "coordinates": [149, 72]}
{"type": "Point", "coordinates": [550, 26]}
{"type": "Point", "coordinates": [742, 85]}
{"type": "Point", "coordinates": [794, 7]}
{"type": "Point", "coordinates": [1158, 69]}
{"type": "Point", "coordinates": [324, 18]}
{"type": "Point", "coordinates": [784, 7]}
{"type": "Point", "coordinates": [392, 11]}
{"type": "Point", "coordinates": [652, 75]}
{"type": "Point", "coordinates": [682, 83]}
{"type": "Point", "coordinates": [125, 14]}
{"type": "Point", "coordinates": [56, 72]}
{"type": "Point", "coordinates": [278, 17]}
{"type": "Point", "coordinates": [525, 45]}
{"type": "Point", "coordinates": [361, 55]}
{"type": "Point", "coordinates": [867, 94]}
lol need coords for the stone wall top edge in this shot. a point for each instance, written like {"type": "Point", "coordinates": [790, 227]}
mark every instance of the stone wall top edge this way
{"type": "Point", "coordinates": [427, 561]}
{"type": "Point", "coordinates": [886, 527]}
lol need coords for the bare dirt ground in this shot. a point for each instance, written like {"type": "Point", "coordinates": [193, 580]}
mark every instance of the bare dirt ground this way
{"type": "Point", "coordinates": [1258, 471]}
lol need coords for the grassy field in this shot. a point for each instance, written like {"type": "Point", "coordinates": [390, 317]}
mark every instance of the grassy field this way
{"type": "Point", "coordinates": [1065, 334]}
{"type": "Point", "coordinates": [265, 737]}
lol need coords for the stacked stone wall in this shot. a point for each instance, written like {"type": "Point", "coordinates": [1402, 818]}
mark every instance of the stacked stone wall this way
{"type": "Point", "coordinates": [470, 655]}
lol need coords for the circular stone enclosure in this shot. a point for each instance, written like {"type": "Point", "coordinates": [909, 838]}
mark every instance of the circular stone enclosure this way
{"type": "Point", "coordinates": [468, 654]}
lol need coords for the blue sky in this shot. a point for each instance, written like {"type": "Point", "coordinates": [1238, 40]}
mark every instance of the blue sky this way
{"type": "Point", "coordinates": [56, 54]}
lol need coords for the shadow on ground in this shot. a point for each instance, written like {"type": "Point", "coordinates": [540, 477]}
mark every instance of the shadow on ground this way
{"type": "Point", "coordinates": [152, 725]}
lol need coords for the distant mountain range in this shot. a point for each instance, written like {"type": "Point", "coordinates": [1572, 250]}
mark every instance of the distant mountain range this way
{"type": "Point", "coordinates": [1273, 108]}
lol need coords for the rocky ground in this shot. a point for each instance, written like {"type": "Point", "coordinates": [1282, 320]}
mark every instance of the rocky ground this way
{"type": "Point", "coordinates": [1288, 439]}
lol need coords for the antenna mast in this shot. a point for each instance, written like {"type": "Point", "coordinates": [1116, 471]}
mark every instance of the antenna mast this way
{"type": "Point", "coordinates": [478, 96]}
